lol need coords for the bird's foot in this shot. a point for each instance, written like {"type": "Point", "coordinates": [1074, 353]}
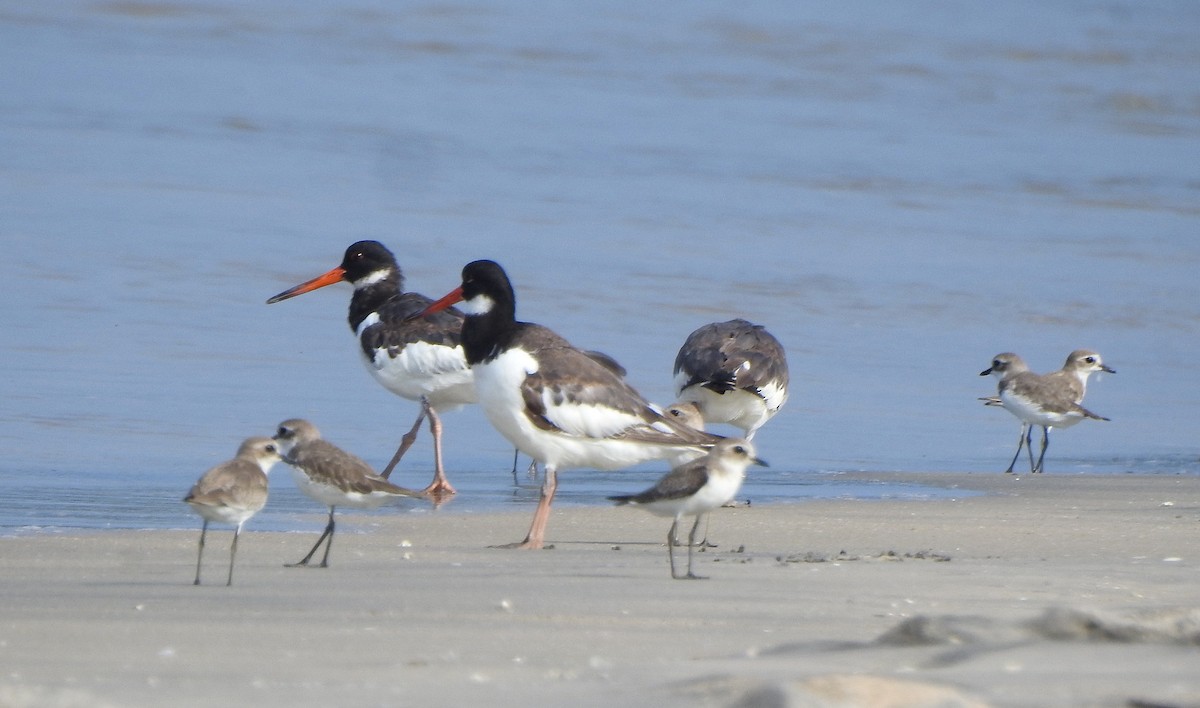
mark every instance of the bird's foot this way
{"type": "Point", "coordinates": [699, 544]}
{"type": "Point", "coordinates": [439, 487]}
{"type": "Point", "coordinates": [527, 544]}
{"type": "Point", "coordinates": [438, 496]}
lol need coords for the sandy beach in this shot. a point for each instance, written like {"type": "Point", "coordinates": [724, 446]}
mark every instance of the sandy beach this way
{"type": "Point", "coordinates": [1069, 590]}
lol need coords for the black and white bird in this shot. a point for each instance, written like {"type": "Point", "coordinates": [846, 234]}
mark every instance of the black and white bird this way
{"type": "Point", "coordinates": [232, 492]}
{"type": "Point", "coordinates": [553, 401]}
{"type": "Point", "coordinates": [1051, 400]}
{"type": "Point", "coordinates": [696, 488]}
{"type": "Point", "coordinates": [734, 372]}
{"type": "Point", "coordinates": [418, 359]}
{"type": "Point", "coordinates": [332, 477]}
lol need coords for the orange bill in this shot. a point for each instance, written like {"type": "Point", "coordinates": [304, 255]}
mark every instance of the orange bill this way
{"type": "Point", "coordinates": [450, 298]}
{"type": "Point", "coordinates": [333, 276]}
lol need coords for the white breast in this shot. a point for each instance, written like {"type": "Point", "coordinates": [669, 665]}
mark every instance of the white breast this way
{"type": "Point", "coordinates": [435, 371]}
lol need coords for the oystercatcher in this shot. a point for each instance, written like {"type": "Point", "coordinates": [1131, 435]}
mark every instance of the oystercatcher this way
{"type": "Point", "coordinates": [418, 359]}
{"type": "Point", "coordinates": [553, 401]}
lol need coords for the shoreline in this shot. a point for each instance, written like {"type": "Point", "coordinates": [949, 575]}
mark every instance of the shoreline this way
{"type": "Point", "coordinates": [1069, 590]}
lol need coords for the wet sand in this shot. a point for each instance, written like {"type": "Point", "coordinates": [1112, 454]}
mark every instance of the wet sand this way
{"type": "Point", "coordinates": [1055, 590]}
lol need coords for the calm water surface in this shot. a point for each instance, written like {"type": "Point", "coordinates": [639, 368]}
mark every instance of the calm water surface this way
{"type": "Point", "coordinates": [898, 192]}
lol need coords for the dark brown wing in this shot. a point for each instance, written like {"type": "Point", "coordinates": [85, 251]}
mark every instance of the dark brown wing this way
{"type": "Point", "coordinates": [716, 356]}
{"type": "Point", "coordinates": [570, 381]}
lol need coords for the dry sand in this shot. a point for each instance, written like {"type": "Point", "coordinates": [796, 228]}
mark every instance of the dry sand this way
{"type": "Point", "coordinates": [1069, 590]}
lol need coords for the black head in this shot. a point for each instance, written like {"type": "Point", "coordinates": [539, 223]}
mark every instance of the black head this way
{"type": "Point", "coordinates": [364, 258]}
{"type": "Point", "coordinates": [488, 302]}
{"type": "Point", "coordinates": [486, 278]}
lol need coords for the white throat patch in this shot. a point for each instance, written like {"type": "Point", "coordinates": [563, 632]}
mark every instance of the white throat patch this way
{"type": "Point", "coordinates": [372, 278]}
{"type": "Point", "coordinates": [478, 305]}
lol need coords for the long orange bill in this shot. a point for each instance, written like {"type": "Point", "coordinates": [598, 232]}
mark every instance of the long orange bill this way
{"type": "Point", "coordinates": [450, 298]}
{"type": "Point", "coordinates": [333, 276]}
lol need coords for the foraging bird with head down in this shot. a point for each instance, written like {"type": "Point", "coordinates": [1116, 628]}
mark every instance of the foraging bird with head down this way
{"type": "Point", "coordinates": [734, 372]}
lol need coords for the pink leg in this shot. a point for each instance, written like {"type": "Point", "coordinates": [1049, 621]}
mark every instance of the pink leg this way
{"type": "Point", "coordinates": [537, 530]}
{"type": "Point", "coordinates": [440, 486]}
{"type": "Point", "coordinates": [406, 442]}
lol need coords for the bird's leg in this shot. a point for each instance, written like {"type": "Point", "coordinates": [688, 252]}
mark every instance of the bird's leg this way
{"type": "Point", "coordinates": [406, 441]}
{"type": "Point", "coordinates": [329, 542]}
{"type": "Point", "coordinates": [328, 533]}
{"type": "Point", "coordinates": [704, 541]}
{"type": "Point", "coordinates": [531, 471]}
{"type": "Point", "coordinates": [203, 531]}
{"type": "Point", "coordinates": [691, 544]}
{"type": "Point", "coordinates": [440, 486]}
{"type": "Point", "coordinates": [537, 530]}
{"type": "Point", "coordinates": [233, 553]}
{"type": "Point", "coordinates": [671, 546]}
{"type": "Point", "coordinates": [1042, 456]}
{"type": "Point", "coordinates": [1026, 429]}
{"type": "Point", "coordinates": [1029, 446]}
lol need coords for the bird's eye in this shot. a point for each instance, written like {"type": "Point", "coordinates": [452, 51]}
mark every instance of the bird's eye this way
{"type": "Point", "coordinates": [282, 432]}
{"type": "Point", "coordinates": [739, 450]}
{"type": "Point", "coordinates": [270, 448]}
{"type": "Point", "coordinates": [1090, 360]}
{"type": "Point", "coordinates": [996, 363]}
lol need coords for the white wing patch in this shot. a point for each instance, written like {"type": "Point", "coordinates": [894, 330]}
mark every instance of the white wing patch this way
{"type": "Point", "coordinates": [774, 395]}
{"type": "Point", "coordinates": [593, 421]}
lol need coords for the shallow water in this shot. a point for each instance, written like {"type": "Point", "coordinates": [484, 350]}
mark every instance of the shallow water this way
{"type": "Point", "coordinates": [898, 194]}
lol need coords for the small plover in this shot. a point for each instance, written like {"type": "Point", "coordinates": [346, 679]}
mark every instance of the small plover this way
{"type": "Point", "coordinates": [696, 488]}
{"type": "Point", "coordinates": [1050, 400]}
{"type": "Point", "coordinates": [332, 477]}
{"type": "Point", "coordinates": [232, 492]}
